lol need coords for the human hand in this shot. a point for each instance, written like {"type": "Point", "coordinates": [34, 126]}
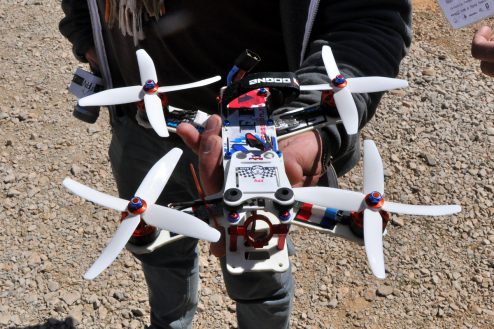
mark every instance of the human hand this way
{"type": "Point", "coordinates": [92, 59]}
{"type": "Point", "coordinates": [302, 156]}
{"type": "Point", "coordinates": [483, 49]}
{"type": "Point", "coordinates": [207, 146]}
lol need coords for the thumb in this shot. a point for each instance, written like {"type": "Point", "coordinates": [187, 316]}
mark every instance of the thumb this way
{"type": "Point", "coordinates": [210, 169]}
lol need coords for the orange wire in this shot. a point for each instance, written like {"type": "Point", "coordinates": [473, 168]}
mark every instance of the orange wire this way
{"type": "Point", "coordinates": [202, 195]}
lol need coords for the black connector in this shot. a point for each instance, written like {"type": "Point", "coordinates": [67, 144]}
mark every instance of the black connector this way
{"type": "Point", "coordinates": [247, 60]}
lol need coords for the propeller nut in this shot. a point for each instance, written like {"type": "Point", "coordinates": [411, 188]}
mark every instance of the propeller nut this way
{"type": "Point", "coordinates": [150, 87]}
{"type": "Point", "coordinates": [374, 200]}
{"type": "Point", "coordinates": [137, 206]}
{"type": "Point", "coordinates": [340, 81]}
{"type": "Point", "coordinates": [284, 215]}
{"type": "Point", "coordinates": [234, 217]}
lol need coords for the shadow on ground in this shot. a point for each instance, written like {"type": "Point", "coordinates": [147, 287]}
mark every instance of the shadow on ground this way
{"type": "Point", "coordinates": [68, 323]}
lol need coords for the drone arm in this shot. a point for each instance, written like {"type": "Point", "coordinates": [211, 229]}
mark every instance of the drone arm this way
{"type": "Point", "coordinates": [347, 26]}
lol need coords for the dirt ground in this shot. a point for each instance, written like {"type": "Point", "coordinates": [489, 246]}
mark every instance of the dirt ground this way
{"type": "Point", "coordinates": [423, 5]}
{"type": "Point", "coordinates": [436, 139]}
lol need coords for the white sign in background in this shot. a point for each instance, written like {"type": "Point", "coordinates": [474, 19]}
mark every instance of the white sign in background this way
{"type": "Point", "coordinates": [461, 13]}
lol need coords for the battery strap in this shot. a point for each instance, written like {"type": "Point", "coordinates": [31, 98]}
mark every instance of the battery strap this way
{"type": "Point", "coordinates": [284, 82]}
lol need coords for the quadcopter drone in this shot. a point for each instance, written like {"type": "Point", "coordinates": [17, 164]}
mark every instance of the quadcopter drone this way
{"type": "Point", "coordinates": [257, 204]}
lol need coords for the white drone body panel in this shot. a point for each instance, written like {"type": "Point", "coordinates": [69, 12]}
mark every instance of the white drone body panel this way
{"type": "Point", "coordinates": [258, 174]}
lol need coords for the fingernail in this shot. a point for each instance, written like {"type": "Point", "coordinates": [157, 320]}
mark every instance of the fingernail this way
{"type": "Point", "coordinates": [211, 124]}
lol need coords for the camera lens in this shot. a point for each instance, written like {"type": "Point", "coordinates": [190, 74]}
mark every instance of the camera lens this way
{"type": "Point", "coordinates": [87, 114]}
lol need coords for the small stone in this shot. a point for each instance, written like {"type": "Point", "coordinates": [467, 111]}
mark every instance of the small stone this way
{"type": "Point", "coordinates": [425, 271]}
{"type": "Point", "coordinates": [398, 92]}
{"type": "Point", "coordinates": [476, 309]}
{"type": "Point", "coordinates": [216, 299]}
{"type": "Point", "coordinates": [429, 159]}
{"type": "Point", "coordinates": [4, 318]}
{"type": "Point", "coordinates": [75, 170]}
{"type": "Point", "coordinates": [333, 303]}
{"type": "Point", "coordinates": [13, 193]}
{"type": "Point", "coordinates": [430, 72]}
{"type": "Point", "coordinates": [232, 308]}
{"type": "Point", "coordinates": [102, 313]}
{"type": "Point", "coordinates": [342, 261]}
{"type": "Point", "coordinates": [369, 295]}
{"type": "Point", "coordinates": [398, 221]}
{"type": "Point", "coordinates": [53, 286]}
{"type": "Point", "coordinates": [488, 312]}
{"type": "Point", "coordinates": [118, 295]}
{"type": "Point", "coordinates": [138, 312]}
{"type": "Point", "coordinates": [384, 291]}
{"type": "Point", "coordinates": [134, 324]}
{"type": "Point", "coordinates": [70, 297]}
{"type": "Point", "coordinates": [76, 315]}
{"type": "Point", "coordinates": [206, 291]}
{"type": "Point", "coordinates": [9, 179]}
{"type": "Point", "coordinates": [477, 278]}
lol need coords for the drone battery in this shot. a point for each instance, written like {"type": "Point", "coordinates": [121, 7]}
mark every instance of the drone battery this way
{"type": "Point", "coordinates": [83, 84]}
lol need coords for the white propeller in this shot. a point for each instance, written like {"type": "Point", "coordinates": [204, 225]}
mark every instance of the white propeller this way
{"type": "Point", "coordinates": [143, 205]}
{"type": "Point", "coordinates": [370, 202]}
{"type": "Point", "coordinates": [148, 91]}
{"type": "Point", "coordinates": [147, 70]}
{"type": "Point", "coordinates": [343, 89]}
{"type": "Point", "coordinates": [113, 248]}
{"type": "Point", "coordinates": [373, 240]}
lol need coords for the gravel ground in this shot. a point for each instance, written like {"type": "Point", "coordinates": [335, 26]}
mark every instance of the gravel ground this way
{"type": "Point", "coordinates": [436, 139]}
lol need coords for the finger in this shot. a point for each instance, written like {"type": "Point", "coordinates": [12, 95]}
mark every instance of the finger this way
{"type": "Point", "coordinates": [483, 45]}
{"type": "Point", "coordinates": [294, 172]}
{"type": "Point", "coordinates": [218, 248]}
{"type": "Point", "coordinates": [297, 177]}
{"type": "Point", "coordinates": [190, 136]}
{"type": "Point", "coordinates": [302, 158]}
{"type": "Point", "coordinates": [487, 68]}
{"type": "Point", "coordinates": [92, 59]}
{"type": "Point", "coordinates": [210, 169]}
{"type": "Point", "coordinates": [213, 126]}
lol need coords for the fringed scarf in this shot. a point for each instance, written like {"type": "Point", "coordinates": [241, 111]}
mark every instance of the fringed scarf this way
{"type": "Point", "coordinates": [129, 15]}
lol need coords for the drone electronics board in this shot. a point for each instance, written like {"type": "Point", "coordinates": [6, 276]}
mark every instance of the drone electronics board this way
{"type": "Point", "coordinates": [255, 219]}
